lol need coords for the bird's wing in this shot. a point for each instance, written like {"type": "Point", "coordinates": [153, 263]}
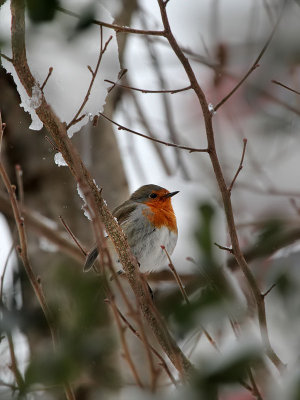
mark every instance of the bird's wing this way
{"type": "Point", "coordinates": [123, 211]}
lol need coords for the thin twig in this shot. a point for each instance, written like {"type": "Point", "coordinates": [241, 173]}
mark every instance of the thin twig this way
{"type": "Point", "coordinates": [121, 127]}
{"type": "Point", "coordinates": [185, 296]}
{"type": "Point", "coordinates": [176, 276]}
{"type": "Point", "coordinates": [286, 87]}
{"type": "Point", "coordinates": [47, 77]}
{"type": "Point", "coordinates": [255, 391]}
{"type": "Point", "coordinates": [115, 27]}
{"type": "Point", "coordinates": [269, 290]}
{"type": "Point", "coordinates": [72, 235]}
{"type": "Point", "coordinates": [127, 355]}
{"type": "Point", "coordinates": [42, 226]}
{"type": "Point", "coordinates": [14, 365]}
{"type": "Point", "coordinates": [256, 62]}
{"type": "Point", "coordinates": [240, 166]}
{"type": "Point", "coordinates": [148, 90]}
{"type": "Point", "coordinates": [6, 58]}
{"type": "Point", "coordinates": [94, 74]}
{"type": "Point", "coordinates": [154, 351]}
{"type": "Point", "coordinates": [229, 249]}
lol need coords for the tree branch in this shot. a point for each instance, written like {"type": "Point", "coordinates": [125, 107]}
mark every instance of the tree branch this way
{"type": "Point", "coordinates": [178, 146]}
{"type": "Point", "coordinates": [255, 64]}
{"type": "Point", "coordinates": [286, 87]}
{"type": "Point", "coordinates": [223, 187]}
{"type": "Point", "coordinates": [97, 207]}
{"type": "Point", "coordinates": [171, 91]}
{"type": "Point", "coordinates": [115, 27]}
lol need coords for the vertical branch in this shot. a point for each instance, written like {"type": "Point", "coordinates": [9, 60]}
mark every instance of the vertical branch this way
{"type": "Point", "coordinates": [225, 193]}
{"type": "Point", "coordinates": [31, 276]}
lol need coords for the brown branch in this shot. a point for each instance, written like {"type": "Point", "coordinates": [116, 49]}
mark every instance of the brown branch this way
{"type": "Point", "coordinates": [154, 351]}
{"type": "Point", "coordinates": [148, 90]}
{"type": "Point", "coordinates": [14, 365]}
{"type": "Point", "coordinates": [115, 27]}
{"type": "Point", "coordinates": [72, 235]}
{"type": "Point", "coordinates": [223, 188]}
{"type": "Point", "coordinates": [229, 249]}
{"type": "Point", "coordinates": [257, 251]}
{"type": "Point", "coordinates": [240, 166]}
{"type": "Point", "coordinates": [127, 355]}
{"type": "Point", "coordinates": [286, 87]}
{"type": "Point", "coordinates": [94, 74]}
{"type": "Point", "coordinates": [25, 259]}
{"type": "Point", "coordinates": [35, 222]}
{"type": "Point", "coordinates": [269, 290]}
{"type": "Point", "coordinates": [256, 62]}
{"type": "Point", "coordinates": [176, 276]}
{"type": "Point", "coordinates": [185, 296]}
{"type": "Point", "coordinates": [5, 57]}
{"type": "Point", "coordinates": [178, 146]}
{"type": "Point", "coordinates": [96, 205]}
{"type": "Point", "coordinates": [47, 77]}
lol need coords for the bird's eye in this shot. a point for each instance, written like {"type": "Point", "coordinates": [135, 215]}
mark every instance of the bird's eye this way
{"type": "Point", "coordinates": [153, 195]}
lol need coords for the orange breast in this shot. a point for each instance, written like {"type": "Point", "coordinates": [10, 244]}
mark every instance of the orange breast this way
{"type": "Point", "coordinates": [161, 215]}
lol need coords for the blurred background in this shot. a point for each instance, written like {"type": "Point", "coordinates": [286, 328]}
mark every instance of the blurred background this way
{"type": "Point", "coordinates": [221, 39]}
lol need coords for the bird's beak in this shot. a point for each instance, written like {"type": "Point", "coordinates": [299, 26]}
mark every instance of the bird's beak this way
{"type": "Point", "coordinates": [171, 194]}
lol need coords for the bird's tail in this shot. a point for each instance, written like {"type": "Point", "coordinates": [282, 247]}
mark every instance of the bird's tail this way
{"type": "Point", "coordinates": [90, 259]}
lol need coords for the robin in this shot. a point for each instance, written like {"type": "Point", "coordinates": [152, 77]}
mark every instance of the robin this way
{"type": "Point", "coordinates": [148, 221]}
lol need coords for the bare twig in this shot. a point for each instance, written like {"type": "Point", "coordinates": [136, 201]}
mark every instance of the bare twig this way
{"type": "Point", "coordinates": [41, 228]}
{"type": "Point", "coordinates": [269, 290]}
{"type": "Point", "coordinates": [286, 87]}
{"type": "Point", "coordinates": [154, 351]}
{"type": "Point", "coordinates": [72, 235]}
{"type": "Point", "coordinates": [14, 365]}
{"type": "Point", "coordinates": [240, 166]}
{"type": "Point", "coordinates": [185, 296]}
{"type": "Point", "coordinates": [47, 77]}
{"type": "Point", "coordinates": [115, 27]}
{"type": "Point", "coordinates": [229, 249]}
{"type": "Point", "coordinates": [78, 118]}
{"type": "Point", "coordinates": [173, 91]}
{"type": "Point", "coordinates": [256, 62]}
{"type": "Point", "coordinates": [178, 280]}
{"type": "Point", "coordinates": [127, 355]}
{"type": "Point", "coordinates": [255, 391]}
{"type": "Point", "coordinates": [121, 127]}
{"type": "Point", "coordinates": [6, 57]}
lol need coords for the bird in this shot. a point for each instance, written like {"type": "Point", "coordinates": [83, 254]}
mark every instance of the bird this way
{"type": "Point", "coordinates": [148, 220]}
